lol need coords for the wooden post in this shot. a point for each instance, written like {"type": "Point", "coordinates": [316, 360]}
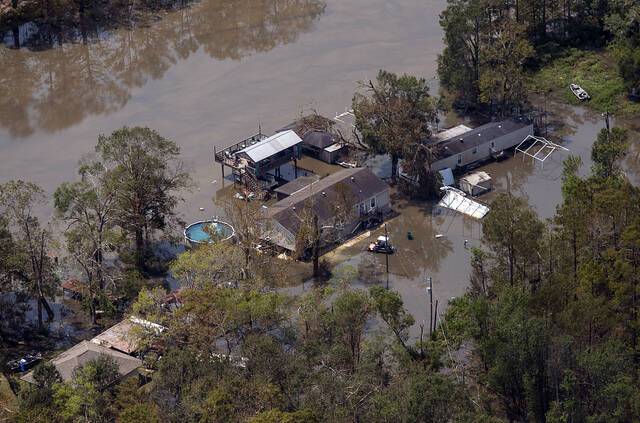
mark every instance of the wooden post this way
{"type": "Point", "coordinates": [435, 318]}
{"type": "Point", "coordinates": [430, 290]}
{"type": "Point", "coordinates": [386, 255]}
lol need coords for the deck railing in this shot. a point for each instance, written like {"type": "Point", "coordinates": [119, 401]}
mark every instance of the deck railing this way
{"type": "Point", "coordinates": [226, 155]}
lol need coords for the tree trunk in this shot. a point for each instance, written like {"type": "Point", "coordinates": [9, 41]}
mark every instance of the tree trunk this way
{"type": "Point", "coordinates": [40, 324]}
{"type": "Point", "coordinates": [16, 37]}
{"type": "Point", "coordinates": [47, 307]}
{"type": "Point", "coordinates": [316, 247]}
{"type": "Point", "coordinates": [394, 167]}
{"type": "Point", "coordinates": [139, 249]}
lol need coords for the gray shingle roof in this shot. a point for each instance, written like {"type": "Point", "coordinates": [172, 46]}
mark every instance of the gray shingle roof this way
{"type": "Point", "coordinates": [296, 185]}
{"type": "Point", "coordinates": [82, 353]}
{"type": "Point", "coordinates": [480, 135]}
{"type": "Point", "coordinates": [319, 139]}
{"type": "Point", "coordinates": [361, 183]}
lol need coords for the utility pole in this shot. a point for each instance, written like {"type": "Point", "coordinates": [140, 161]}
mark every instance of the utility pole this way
{"type": "Point", "coordinates": [435, 318]}
{"type": "Point", "coordinates": [430, 291]}
{"type": "Point", "coordinates": [386, 256]}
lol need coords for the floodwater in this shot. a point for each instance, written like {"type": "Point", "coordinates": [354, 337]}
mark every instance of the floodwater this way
{"type": "Point", "coordinates": [210, 74]}
{"type": "Point", "coordinates": [205, 75]}
{"type": "Point", "coordinates": [446, 259]}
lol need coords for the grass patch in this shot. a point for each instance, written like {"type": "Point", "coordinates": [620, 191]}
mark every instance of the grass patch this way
{"type": "Point", "coordinates": [595, 71]}
{"type": "Point", "coordinates": [8, 402]}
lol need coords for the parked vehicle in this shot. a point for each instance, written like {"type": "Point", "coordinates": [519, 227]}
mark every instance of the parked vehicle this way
{"type": "Point", "coordinates": [24, 363]}
{"type": "Point", "coordinates": [382, 245]}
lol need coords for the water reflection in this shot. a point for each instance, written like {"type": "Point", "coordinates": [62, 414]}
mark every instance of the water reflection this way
{"type": "Point", "coordinates": [54, 89]}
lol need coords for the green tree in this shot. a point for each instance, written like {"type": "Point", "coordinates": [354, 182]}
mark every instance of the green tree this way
{"type": "Point", "coordinates": [277, 416]}
{"type": "Point", "coordinates": [351, 310]}
{"type": "Point", "coordinates": [32, 263]}
{"type": "Point", "coordinates": [464, 23]}
{"type": "Point", "coordinates": [426, 182]}
{"type": "Point", "coordinates": [502, 79]}
{"type": "Point", "coordinates": [36, 400]}
{"type": "Point", "coordinates": [390, 307]}
{"type": "Point", "coordinates": [512, 230]}
{"type": "Point", "coordinates": [146, 175]}
{"type": "Point", "coordinates": [217, 264]}
{"type": "Point", "coordinates": [393, 113]}
{"type": "Point", "coordinates": [606, 152]}
{"type": "Point", "coordinates": [215, 314]}
{"type": "Point", "coordinates": [86, 397]}
{"type": "Point", "coordinates": [88, 209]}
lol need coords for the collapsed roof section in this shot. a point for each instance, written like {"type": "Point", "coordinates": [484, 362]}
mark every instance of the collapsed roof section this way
{"type": "Point", "coordinates": [456, 200]}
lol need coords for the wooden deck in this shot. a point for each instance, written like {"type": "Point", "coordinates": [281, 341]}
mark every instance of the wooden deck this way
{"type": "Point", "coordinates": [226, 156]}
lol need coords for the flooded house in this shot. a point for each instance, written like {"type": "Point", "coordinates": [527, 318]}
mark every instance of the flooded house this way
{"type": "Point", "coordinates": [481, 143]}
{"type": "Point", "coordinates": [322, 145]}
{"type": "Point", "coordinates": [297, 184]}
{"type": "Point", "coordinates": [320, 139]}
{"type": "Point", "coordinates": [358, 190]}
{"type": "Point", "coordinates": [255, 161]}
{"type": "Point", "coordinates": [86, 351]}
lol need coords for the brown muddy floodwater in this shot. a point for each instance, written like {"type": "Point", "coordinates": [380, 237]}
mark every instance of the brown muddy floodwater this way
{"type": "Point", "coordinates": [205, 75]}
{"type": "Point", "coordinates": [209, 74]}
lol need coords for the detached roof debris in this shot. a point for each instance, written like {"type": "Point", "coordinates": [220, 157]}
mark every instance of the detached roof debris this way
{"type": "Point", "coordinates": [447, 177]}
{"type": "Point", "coordinates": [538, 148]}
{"type": "Point", "coordinates": [456, 131]}
{"type": "Point", "coordinates": [455, 199]}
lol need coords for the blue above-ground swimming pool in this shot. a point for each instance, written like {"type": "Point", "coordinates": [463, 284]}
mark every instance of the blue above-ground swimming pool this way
{"type": "Point", "coordinates": [196, 233]}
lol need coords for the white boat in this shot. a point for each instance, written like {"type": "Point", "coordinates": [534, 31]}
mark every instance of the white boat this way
{"type": "Point", "coordinates": [579, 92]}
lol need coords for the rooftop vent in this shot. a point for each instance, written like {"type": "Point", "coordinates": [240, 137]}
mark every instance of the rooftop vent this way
{"type": "Point", "coordinates": [324, 193]}
{"type": "Point", "coordinates": [353, 178]}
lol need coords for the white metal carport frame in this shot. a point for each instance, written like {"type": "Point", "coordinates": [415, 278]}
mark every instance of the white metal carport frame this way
{"type": "Point", "coordinates": [544, 150]}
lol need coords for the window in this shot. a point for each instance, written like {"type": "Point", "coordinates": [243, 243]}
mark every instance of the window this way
{"type": "Point", "coordinates": [493, 144]}
{"type": "Point", "coordinates": [373, 202]}
{"type": "Point", "coordinates": [363, 208]}
{"type": "Point", "coordinates": [459, 158]}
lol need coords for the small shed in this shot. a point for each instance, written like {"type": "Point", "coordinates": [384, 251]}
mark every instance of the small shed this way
{"type": "Point", "coordinates": [476, 183]}
{"type": "Point", "coordinates": [322, 145]}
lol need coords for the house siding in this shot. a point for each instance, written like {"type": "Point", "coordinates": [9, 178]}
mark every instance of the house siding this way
{"type": "Point", "coordinates": [483, 151]}
{"type": "Point", "coordinates": [286, 239]}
